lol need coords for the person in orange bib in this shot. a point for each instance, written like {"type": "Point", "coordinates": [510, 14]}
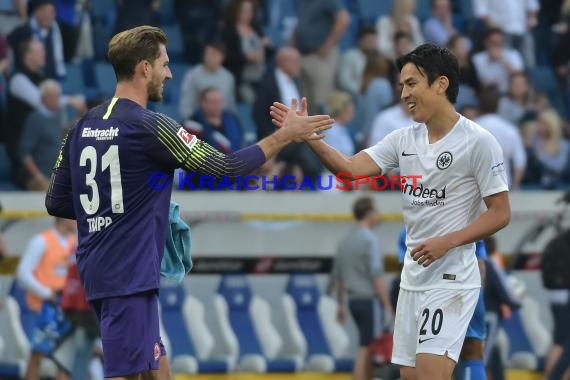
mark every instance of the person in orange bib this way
{"type": "Point", "coordinates": [42, 271]}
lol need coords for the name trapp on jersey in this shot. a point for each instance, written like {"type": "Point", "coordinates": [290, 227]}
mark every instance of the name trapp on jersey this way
{"type": "Point", "coordinates": [98, 223]}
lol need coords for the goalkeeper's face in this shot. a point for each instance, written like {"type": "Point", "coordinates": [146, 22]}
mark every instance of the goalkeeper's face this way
{"type": "Point", "coordinates": [160, 74]}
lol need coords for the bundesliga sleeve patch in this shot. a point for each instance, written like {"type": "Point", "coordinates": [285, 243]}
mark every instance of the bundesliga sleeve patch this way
{"type": "Point", "coordinates": [187, 138]}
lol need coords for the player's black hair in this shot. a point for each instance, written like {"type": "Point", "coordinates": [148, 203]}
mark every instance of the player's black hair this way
{"type": "Point", "coordinates": [362, 207]}
{"type": "Point", "coordinates": [435, 61]}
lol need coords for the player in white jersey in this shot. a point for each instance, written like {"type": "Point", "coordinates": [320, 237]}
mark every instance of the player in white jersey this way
{"type": "Point", "coordinates": [461, 197]}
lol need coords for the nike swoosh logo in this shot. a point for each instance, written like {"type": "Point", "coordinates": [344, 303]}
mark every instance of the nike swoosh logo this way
{"type": "Point", "coordinates": [404, 154]}
{"type": "Point", "coordinates": [420, 341]}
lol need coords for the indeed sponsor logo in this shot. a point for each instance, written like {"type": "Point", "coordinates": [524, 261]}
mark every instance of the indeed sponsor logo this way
{"type": "Point", "coordinates": [425, 196]}
{"type": "Point", "coordinates": [101, 134]}
{"type": "Point", "coordinates": [422, 191]}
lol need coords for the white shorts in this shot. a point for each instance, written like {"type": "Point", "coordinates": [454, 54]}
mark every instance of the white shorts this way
{"type": "Point", "coordinates": [432, 322]}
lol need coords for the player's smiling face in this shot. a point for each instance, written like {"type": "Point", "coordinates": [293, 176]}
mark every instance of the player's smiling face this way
{"type": "Point", "coordinates": [419, 97]}
{"type": "Point", "coordinates": [160, 74]}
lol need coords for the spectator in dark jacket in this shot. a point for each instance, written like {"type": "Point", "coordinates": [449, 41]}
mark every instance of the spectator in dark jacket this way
{"type": "Point", "coordinates": [42, 26]}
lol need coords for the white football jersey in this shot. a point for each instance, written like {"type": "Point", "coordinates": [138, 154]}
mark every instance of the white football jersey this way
{"type": "Point", "coordinates": [457, 172]}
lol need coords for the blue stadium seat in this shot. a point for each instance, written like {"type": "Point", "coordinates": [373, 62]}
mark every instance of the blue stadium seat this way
{"type": "Point", "coordinates": [281, 14]}
{"type": "Point", "coordinates": [543, 79]}
{"type": "Point", "coordinates": [249, 127]}
{"type": "Point", "coordinates": [17, 305]}
{"type": "Point", "coordinates": [12, 361]}
{"type": "Point", "coordinates": [528, 339]}
{"type": "Point", "coordinates": [518, 340]}
{"type": "Point", "coordinates": [78, 75]}
{"type": "Point", "coordinates": [104, 14]}
{"type": "Point", "coordinates": [371, 10]}
{"type": "Point", "coordinates": [103, 8]}
{"type": "Point", "coordinates": [325, 341]}
{"type": "Point", "coordinates": [350, 37]}
{"type": "Point", "coordinates": [105, 76]}
{"type": "Point", "coordinates": [175, 43]}
{"type": "Point", "coordinates": [172, 92]}
{"type": "Point", "coordinates": [521, 353]}
{"type": "Point", "coordinates": [5, 172]}
{"type": "Point", "coordinates": [3, 91]}
{"type": "Point", "coordinates": [73, 83]}
{"type": "Point", "coordinates": [423, 10]}
{"type": "Point", "coordinates": [104, 33]}
{"type": "Point", "coordinates": [567, 101]}
{"type": "Point", "coordinates": [167, 16]}
{"type": "Point", "coordinates": [351, 6]}
{"type": "Point", "coordinates": [256, 342]}
{"type": "Point", "coordinates": [178, 70]}
{"type": "Point", "coordinates": [172, 88]}
{"type": "Point", "coordinates": [288, 8]}
{"type": "Point", "coordinates": [467, 9]}
{"type": "Point", "coordinates": [88, 73]}
{"type": "Point", "coordinates": [10, 371]}
{"type": "Point", "coordinates": [183, 319]}
{"type": "Point", "coordinates": [27, 316]}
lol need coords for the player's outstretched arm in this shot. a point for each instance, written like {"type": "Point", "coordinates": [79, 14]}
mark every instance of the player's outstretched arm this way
{"type": "Point", "coordinates": [358, 165]}
{"type": "Point", "coordinates": [179, 148]}
{"type": "Point", "coordinates": [296, 126]}
{"type": "Point", "coordinates": [59, 201]}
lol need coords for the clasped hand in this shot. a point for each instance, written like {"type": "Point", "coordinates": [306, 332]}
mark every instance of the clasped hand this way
{"type": "Point", "coordinates": [288, 117]}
